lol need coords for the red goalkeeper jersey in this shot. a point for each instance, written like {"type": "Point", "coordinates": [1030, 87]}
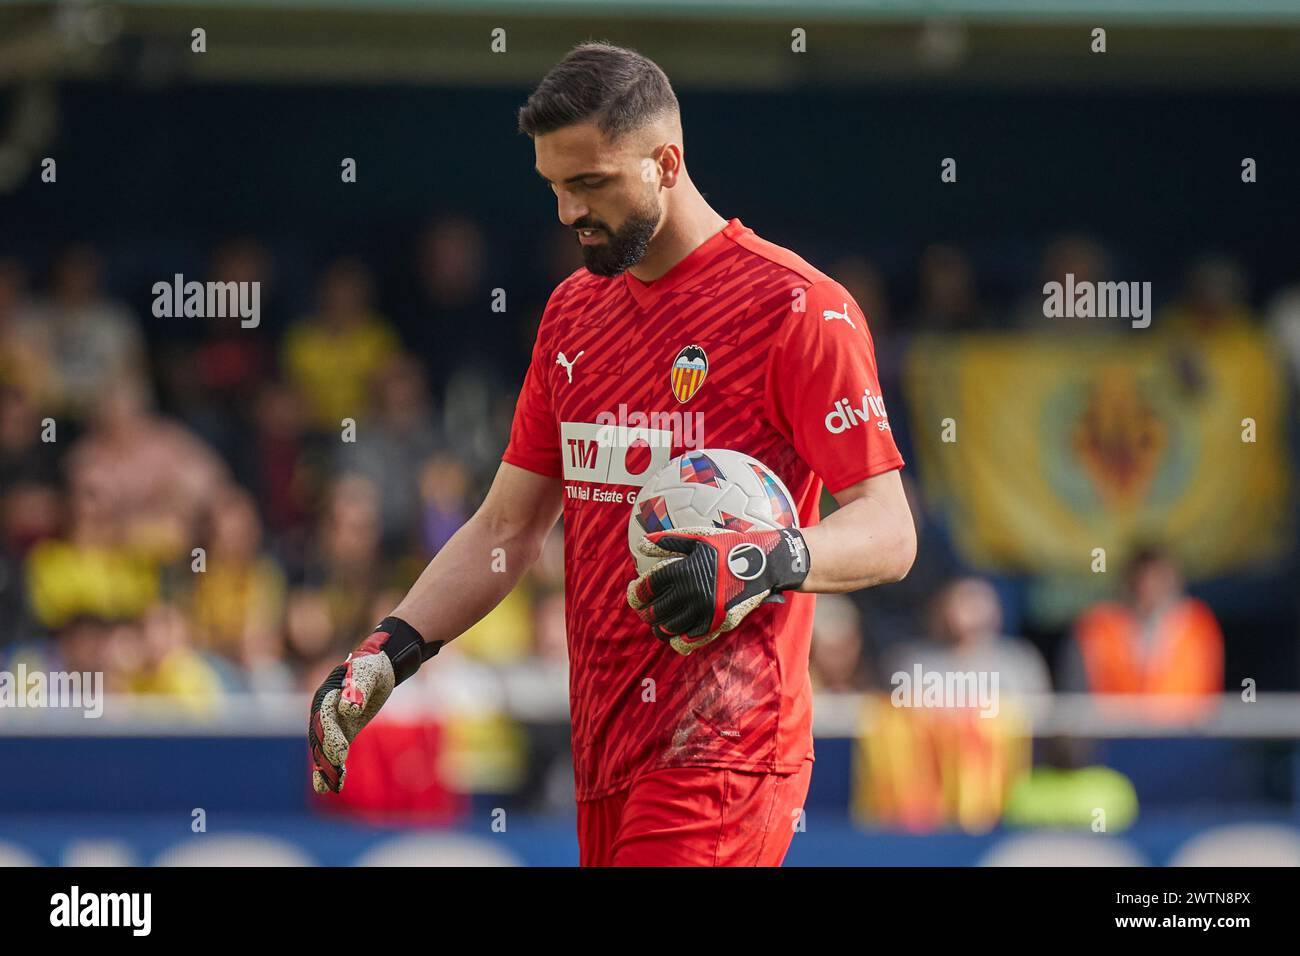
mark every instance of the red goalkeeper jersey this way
{"type": "Point", "coordinates": [741, 345]}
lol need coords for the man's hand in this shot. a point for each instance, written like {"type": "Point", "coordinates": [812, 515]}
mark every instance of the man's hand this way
{"type": "Point", "coordinates": [354, 692]}
{"type": "Point", "coordinates": [710, 578]}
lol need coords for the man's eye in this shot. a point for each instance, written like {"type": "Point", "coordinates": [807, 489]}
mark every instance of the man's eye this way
{"type": "Point", "coordinates": [593, 183]}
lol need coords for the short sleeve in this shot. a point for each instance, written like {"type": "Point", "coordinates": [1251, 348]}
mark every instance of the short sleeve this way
{"type": "Point", "coordinates": [534, 436]}
{"type": "Point", "coordinates": [823, 390]}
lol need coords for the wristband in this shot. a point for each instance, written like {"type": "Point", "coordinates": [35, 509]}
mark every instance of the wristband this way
{"type": "Point", "coordinates": [405, 648]}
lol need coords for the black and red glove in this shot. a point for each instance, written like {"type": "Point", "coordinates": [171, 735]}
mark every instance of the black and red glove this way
{"type": "Point", "coordinates": [710, 578]}
{"type": "Point", "coordinates": [354, 692]}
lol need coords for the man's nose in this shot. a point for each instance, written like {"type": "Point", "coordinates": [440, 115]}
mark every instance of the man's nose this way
{"type": "Point", "coordinates": [571, 210]}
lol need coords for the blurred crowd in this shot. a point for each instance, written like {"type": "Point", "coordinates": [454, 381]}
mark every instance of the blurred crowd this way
{"type": "Point", "coordinates": [230, 508]}
{"type": "Point", "coordinates": [180, 511]}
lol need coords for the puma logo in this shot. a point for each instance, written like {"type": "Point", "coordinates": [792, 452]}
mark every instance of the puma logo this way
{"type": "Point", "coordinates": [568, 366]}
{"type": "Point", "coordinates": [829, 314]}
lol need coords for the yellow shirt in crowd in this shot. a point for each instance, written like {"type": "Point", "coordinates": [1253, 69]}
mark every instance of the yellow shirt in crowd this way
{"type": "Point", "coordinates": [334, 370]}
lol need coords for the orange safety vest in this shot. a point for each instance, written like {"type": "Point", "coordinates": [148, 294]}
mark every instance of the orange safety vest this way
{"type": "Point", "coordinates": [1184, 658]}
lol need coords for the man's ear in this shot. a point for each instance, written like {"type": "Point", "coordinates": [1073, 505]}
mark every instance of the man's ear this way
{"type": "Point", "coordinates": [668, 158]}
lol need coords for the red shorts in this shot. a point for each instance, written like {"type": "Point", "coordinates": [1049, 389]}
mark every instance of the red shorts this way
{"type": "Point", "coordinates": [694, 816]}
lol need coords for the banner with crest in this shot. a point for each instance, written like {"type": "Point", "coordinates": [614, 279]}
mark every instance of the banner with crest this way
{"type": "Point", "coordinates": [1038, 450]}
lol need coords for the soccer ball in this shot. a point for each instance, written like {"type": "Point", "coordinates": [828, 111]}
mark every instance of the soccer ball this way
{"type": "Point", "coordinates": [714, 487]}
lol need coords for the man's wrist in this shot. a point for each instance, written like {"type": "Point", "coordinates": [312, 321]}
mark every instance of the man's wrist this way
{"type": "Point", "coordinates": [405, 646]}
{"type": "Point", "coordinates": [790, 560]}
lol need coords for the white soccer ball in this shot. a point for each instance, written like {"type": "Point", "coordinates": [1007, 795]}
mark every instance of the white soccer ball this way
{"type": "Point", "coordinates": [710, 488]}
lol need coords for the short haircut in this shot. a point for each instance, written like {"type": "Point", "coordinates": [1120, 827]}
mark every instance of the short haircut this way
{"type": "Point", "coordinates": [618, 89]}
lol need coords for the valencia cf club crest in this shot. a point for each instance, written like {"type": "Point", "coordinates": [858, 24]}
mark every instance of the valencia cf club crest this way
{"type": "Point", "coordinates": [689, 369]}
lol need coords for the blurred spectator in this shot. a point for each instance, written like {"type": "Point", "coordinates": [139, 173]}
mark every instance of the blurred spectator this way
{"type": "Point", "coordinates": [837, 661]}
{"type": "Point", "coordinates": [30, 502]}
{"type": "Point", "coordinates": [451, 263]}
{"type": "Point", "coordinates": [158, 477]}
{"type": "Point", "coordinates": [94, 342]}
{"type": "Point", "coordinates": [213, 376]}
{"type": "Point", "coordinates": [331, 611]}
{"type": "Point", "coordinates": [967, 629]}
{"type": "Point", "coordinates": [24, 457]}
{"type": "Point", "coordinates": [332, 357]}
{"type": "Point", "coordinates": [952, 761]}
{"type": "Point", "coordinates": [451, 308]}
{"type": "Point", "coordinates": [398, 438]}
{"type": "Point", "coordinates": [1156, 641]}
{"type": "Point", "coordinates": [443, 487]}
{"type": "Point", "coordinates": [279, 471]}
{"type": "Point", "coordinates": [238, 602]}
{"type": "Point", "coordinates": [310, 636]}
{"type": "Point", "coordinates": [948, 300]}
{"type": "Point", "coordinates": [79, 643]}
{"type": "Point", "coordinates": [90, 571]}
{"type": "Point", "coordinates": [473, 413]}
{"type": "Point", "coordinates": [13, 599]}
{"type": "Point", "coordinates": [1213, 300]}
{"type": "Point", "coordinates": [1070, 255]}
{"type": "Point", "coordinates": [154, 656]}
{"type": "Point", "coordinates": [25, 361]}
{"type": "Point", "coordinates": [468, 346]}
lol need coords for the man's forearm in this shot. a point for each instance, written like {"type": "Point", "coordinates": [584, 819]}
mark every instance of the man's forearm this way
{"type": "Point", "coordinates": [866, 542]}
{"type": "Point", "coordinates": [479, 566]}
{"type": "Point", "coordinates": [467, 578]}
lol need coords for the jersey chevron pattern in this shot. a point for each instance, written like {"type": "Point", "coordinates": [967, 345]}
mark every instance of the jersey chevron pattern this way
{"type": "Point", "coordinates": [741, 345]}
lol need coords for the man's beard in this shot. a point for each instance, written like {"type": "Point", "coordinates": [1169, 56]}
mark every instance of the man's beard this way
{"type": "Point", "coordinates": [623, 249]}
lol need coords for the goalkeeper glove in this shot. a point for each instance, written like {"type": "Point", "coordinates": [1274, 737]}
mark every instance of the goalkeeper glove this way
{"type": "Point", "coordinates": [710, 578]}
{"type": "Point", "coordinates": [354, 692]}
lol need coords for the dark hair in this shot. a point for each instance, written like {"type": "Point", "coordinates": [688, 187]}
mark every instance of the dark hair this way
{"type": "Point", "coordinates": [619, 89]}
{"type": "Point", "coordinates": [1144, 553]}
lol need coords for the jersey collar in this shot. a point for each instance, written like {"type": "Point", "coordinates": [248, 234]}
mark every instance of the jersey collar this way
{"type": "Point", "coordinates": [647, 293]}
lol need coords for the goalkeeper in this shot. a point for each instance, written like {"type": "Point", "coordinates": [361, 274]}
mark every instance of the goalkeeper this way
{"type": "Point", "coordinates": [689, 692]}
